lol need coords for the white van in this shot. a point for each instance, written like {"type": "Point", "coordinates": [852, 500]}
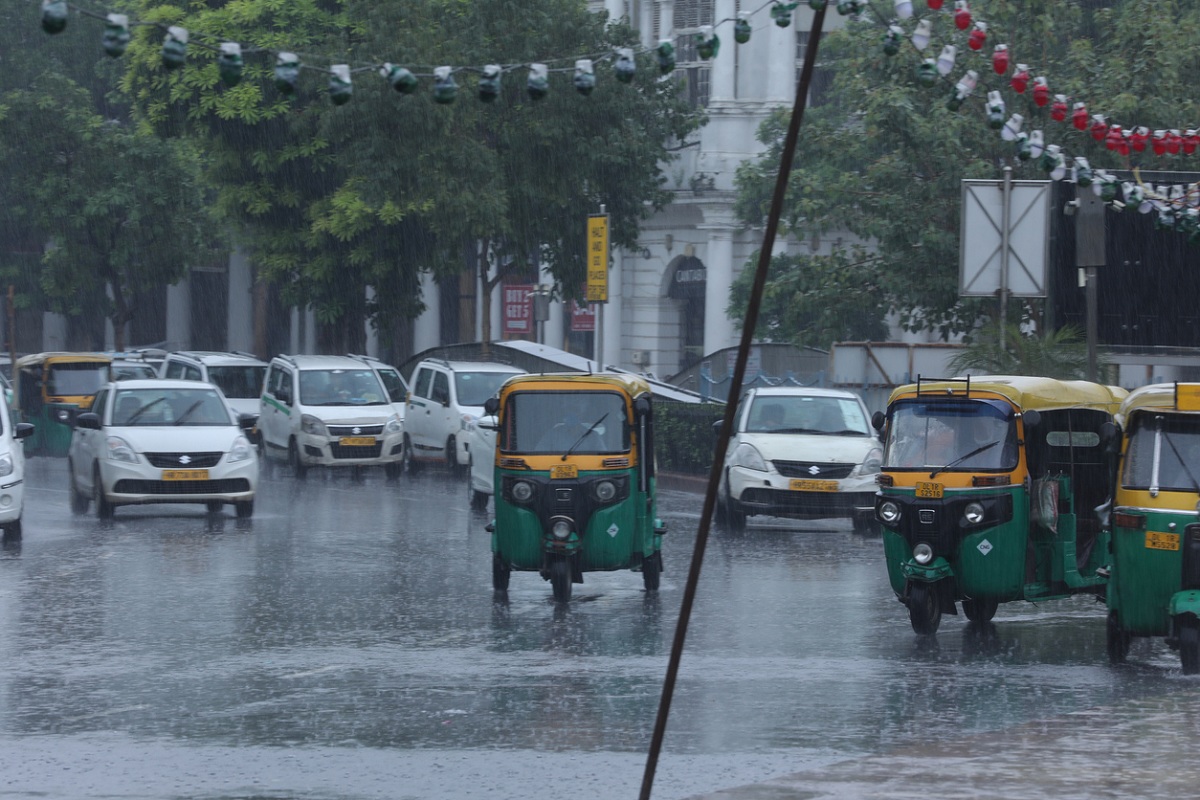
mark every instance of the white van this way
{"type": "Point", "coordinates": [12, 470]}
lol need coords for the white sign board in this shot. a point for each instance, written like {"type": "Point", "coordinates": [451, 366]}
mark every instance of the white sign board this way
{"type": "Point", "coordinates": [982, 253]}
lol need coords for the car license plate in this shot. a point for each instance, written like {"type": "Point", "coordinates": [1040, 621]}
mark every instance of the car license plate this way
{"type": "Point", "coordinates": [800, 485]}
{"type": "Point", "coordinates": [929, 491]}
{"type": "Point", "coordinates": [564, 471]}
{"type": "Point", "coordinates": [1162, 541]}
{"type": "Point", "coordinates": [185, 475]}
{"type": "Point", "coordinates": [356, 441]}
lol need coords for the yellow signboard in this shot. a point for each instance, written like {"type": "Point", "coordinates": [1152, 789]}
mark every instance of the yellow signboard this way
{"type": "Point", "coordinates": [1187, 396]}
{"type": "Point", "coordinates": [597, 259]}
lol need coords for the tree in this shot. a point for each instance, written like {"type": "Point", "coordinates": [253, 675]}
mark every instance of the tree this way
{"type": "Point", "coordinates": [370, 193]}
{"type": "Point", "coordinates": [1056, 354]}
{"type": "Point", "coordinates": [882, 162]}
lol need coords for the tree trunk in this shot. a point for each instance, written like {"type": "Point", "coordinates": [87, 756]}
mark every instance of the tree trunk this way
{"type": "Point", "coordinates": [121, 315]}
{"type": "Point", "coordinates": [261, 347]}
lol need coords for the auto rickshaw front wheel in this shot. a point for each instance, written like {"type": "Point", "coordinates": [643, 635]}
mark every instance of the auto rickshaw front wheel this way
{"type": "Point", "coordinates": [924, 608]}
{"type": "Point", "coordinates": [1116, 640]}
{"type": "Point", "coordinates": [1189, 645]}
{"type": "Point", "coordinates": [560, 579]}
{"type": "Point", "coordinates": [652, 571]}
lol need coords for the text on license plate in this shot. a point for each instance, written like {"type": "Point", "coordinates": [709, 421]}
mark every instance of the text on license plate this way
{"type": "Point", "coordinates": [185, 475]}
{"type": "Point", "coordinates": [805, 485]}
{"type": "Point", "coordinates": [929, 491]}
{"type": "Point", "coordinates": [356, 441]}
{"type": "Point", "coordinates": [564, 471]}
{"type": "Point", "coordinates": [1156, 540]}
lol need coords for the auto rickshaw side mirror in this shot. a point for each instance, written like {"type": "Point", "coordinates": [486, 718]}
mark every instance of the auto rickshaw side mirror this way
{"type": "Point", "coordinates": [491, 406]}
{"type": "Point", "coordinates": [23, 430]}
{"type": "Point", "coordinates": [877, 420]}
{"type": "Point", "coordinates": [1110, 437]}
{"type": "Point", "coordinates": [89, 420]}
{"type": "Point", "coordinates": [1032, 418]}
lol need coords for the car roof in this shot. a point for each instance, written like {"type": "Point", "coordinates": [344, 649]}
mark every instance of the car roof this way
{"type": "Point", "coordinates": [217, 358]}
{"type": "Point", "coordinates": [303, 362]}
{"type": "Point", "coordinates": [472, 366]}
{"type": "Point", "coordinates": [160, 383]}
{"type": "Point", "coordinates": [802, 391]}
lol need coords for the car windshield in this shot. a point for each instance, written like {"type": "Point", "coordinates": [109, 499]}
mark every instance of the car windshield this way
{"type": "Point", "coordinates": [240, 382]}
{"type": "Point", "coordinates": [965, 435]}
{"type": "Point", "coordinates": [396, 388]}
{"type": "Point", "coordinates": [807, 414]}
{"type": "Point", "coordinates": [160, 407]}
{"type": "Point", "coordinates": [125, 372]}
{"type": "Point", "coordinates": [1163, 453]}
{"type": "Point", "coordinates": [341, 387]}
{"type": "Point", "coordinates": [68, 379]}
{"type": "Point", "coordinates": [474, 388]}
{"type": "Point", "coordinates": [587, 422]}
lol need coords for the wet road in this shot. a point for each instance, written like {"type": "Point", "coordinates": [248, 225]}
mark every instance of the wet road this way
{"type": "Point", "coordinates": [344, 644]}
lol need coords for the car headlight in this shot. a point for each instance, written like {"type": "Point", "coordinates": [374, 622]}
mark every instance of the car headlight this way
{"type": "Point", "coordinates": [522, 491]}
{"type": "Point", "coordinates": [889, 512]}
{"type": "Point", "coordinates": [467, 420]}
{"type": "Point", "coordinates": [313, 426]}
{"type": "Point", "coordinates": [394, 425]}
{"type": "Point", "coordinates": [872, 462]}
{"type": "Point", "coordinates": [746, 455]}
{"type": "Point", "coordinates": [973, 513]}
{"type": "Point", "coordinates": [240, 450]}
{"type": "Point", "coordinates": [119, 450]}
{"type": "Point", "coordinates": [922, 554]}
{"type": "Point", "coordinates": [6, 465]}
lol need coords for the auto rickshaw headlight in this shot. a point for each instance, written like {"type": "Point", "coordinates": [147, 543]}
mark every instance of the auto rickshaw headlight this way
{"type": "Point", "coordinates": [606, 491]}
{"type": "Point", "coordinates": [889, 512]}
{"type": "Point", "coordinates": [922, 554]}
{"type": "Point", "coordinates": [522, 491]}
{"type": "Point", "coordinates": [973, 513]}
{"type": "Point", "coordinates": [64, 415]}
{"type": "Point", "coordinates": [560, 527]}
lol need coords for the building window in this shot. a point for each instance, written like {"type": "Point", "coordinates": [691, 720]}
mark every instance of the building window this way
{"type": "Point", "coordinates": [690, 15]}
{"type": "Point", "coordinates": [822, 79]}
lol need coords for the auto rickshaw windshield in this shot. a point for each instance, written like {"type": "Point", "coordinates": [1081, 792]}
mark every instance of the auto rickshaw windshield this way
{"type": "Point", "coordinates": [1164, 453]}
{"type": "Point", "coordinates": [970, 435]}
{"type": "Point", "coordinates": [67, 379]}
{"type": "Point", "coordinates": [593, 422]}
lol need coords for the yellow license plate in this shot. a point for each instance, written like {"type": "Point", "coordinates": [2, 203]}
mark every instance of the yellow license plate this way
{"type": "Point", "coordinates": [1162, 541]}
{"type": "Point", "coordinates": [564, 471]}
{"type": "Point", "coordinates": [185, 475]}
{"type": "Point", "coordinates": [929, 491]}
{"type": "Point", "coordinates": [356, 441]}
{"type": "Point", "coordinates": [799, 485]}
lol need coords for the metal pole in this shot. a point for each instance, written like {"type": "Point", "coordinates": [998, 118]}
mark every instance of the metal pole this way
{"type": "Point", "coordinates": [739, 373]}
{"type": "Point", "coordinates": [1004, 225]}
{"type": "Point", "coordinates": [600, 337]}
{"type": "Point", "coordinates": [1092, 311]}
{"type": "Point", "coordinates": [1089, 254]}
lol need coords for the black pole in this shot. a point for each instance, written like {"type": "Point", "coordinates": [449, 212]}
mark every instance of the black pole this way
{"type": "Point", "coordinates": [749, 324]}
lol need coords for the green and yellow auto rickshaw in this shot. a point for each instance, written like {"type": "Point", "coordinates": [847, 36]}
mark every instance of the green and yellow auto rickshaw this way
{"type": "Point", "coordinates": [1154, 588]}
{"type": "Point", "coordinates": [988, 492]}
{"type": "Point", "coordinates": [574, 479]}
{"type": "Point", "coordinates": [51, 390]}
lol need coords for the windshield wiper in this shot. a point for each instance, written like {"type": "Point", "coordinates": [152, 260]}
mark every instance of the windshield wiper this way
{"type": "Point", "coordinates": [961, 459]}
{"type": "Point", "coordinates": [189, 410]}
{"type": "Point", "coordinates": [143, 410]}
{"type": "Point", "coordinates": [583, 436]}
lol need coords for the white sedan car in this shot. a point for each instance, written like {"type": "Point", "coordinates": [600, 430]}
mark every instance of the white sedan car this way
{"type": "Point", "coordinates": [12, 471]}
{"type": "Point", "coordinates": [161, 441]}
{"type": "Point", "coordinates": [481, 450]}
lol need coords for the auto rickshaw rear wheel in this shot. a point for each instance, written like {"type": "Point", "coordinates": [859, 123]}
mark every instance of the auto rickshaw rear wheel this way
{"type": "Point", "coordinates": [924, 608]}
{"type": "Point", "coordinates": [980, 609]}
{"type": "Point", "coordinates": [560, 579]}
{"type": "Point", "coordinates": [501, 572]}
{"type": "Point", "coordinates": [1116, 640]}
{"type": "Point", "coordinates": [652, 571]}
{"type": "Point", "coordinates": [1189, 645]}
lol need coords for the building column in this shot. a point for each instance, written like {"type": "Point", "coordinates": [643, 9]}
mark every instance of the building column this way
{"type": "Point", "coordinates": [666, 19]}
{"type": "Point", "coordinates": [54, 332]}
{"type": "Point", "coordinates": [179, 314]}
{"type": "Point", "coordinates": [724, 68]}
{"type": "Point", "coordinates": [612, 313]}
{"type": "Point", "coordinates": [240, 305]}
{"type": "Point", "coordinates": [719, 330]}
{"type": "Point", "coordinates": [552, 328]}
{"type": "Point", "coordinates": [615, 9]}
{"type": "Point", "coordinates": [646, 23]}
{"type": "Point", "coordinates": [781, 50]}
{"type": "Point", "coordinates": [427, 328]}
{"type": "Point", "coordinates": [295, 338]}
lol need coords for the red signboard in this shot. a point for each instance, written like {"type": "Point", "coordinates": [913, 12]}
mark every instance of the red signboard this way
{"type": "Point", "coordinates": [583, 318]}
{"type": "Point", "coordinates": [518, 309]}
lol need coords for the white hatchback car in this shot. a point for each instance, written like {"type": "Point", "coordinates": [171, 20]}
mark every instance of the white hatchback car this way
{"type": "Point", "coordinates": [161, 441]}
{"type": "Point", "coordinates": [12, 470]}
{"type": "Point", "coordinates": [804, 453]}
{"type": "Point", "coordinates": [481, 442]}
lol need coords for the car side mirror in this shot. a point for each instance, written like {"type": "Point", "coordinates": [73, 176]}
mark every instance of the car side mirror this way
{"type": "Point", "coordinates": [877, 420]}
{"type": "Point", "coordinates": [491, 406]}
{"type": "Point", "coordinates": [89, 420]}
{"type": "Point", "coordinates": [23, 430]}
{"type": "Point", "coordinates": [247, 421]}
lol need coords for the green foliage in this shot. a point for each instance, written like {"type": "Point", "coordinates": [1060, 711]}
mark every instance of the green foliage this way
{"type": "Point", "coordinates": [684, 435]}
{"type": "Point", "coordinates": [882, 163]}
{"type": "Point", "coordinates": [1059, 354]}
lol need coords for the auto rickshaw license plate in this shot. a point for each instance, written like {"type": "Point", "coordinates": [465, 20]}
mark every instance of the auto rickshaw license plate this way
{"type": "Point", "coordinates": [356, 441]}
{"type": "Point", "coordinates": [185, 475]}
{"type": "Point", "coordinates": [564, 471]}
{"type": "Point", "coordinates": [803, 485]}
{"type": "Point", "coordinates": [929, 491]}
{"type": "Point", "coordinates": [1156, 540]}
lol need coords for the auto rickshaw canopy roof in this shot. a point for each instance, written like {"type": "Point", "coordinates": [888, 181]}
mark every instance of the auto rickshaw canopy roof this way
{"type": "Point", "coordinates": [37, 359]}
{"type": "Point", "coordinates": [1023, 391]}
{"type": "Point", "coordinates": [1183, 397]}
{"type": "Point", "coordinates": [631, 385]}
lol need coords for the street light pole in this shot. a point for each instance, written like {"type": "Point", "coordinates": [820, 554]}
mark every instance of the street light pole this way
{"type": "Point", "coordinates": [1089, 254]}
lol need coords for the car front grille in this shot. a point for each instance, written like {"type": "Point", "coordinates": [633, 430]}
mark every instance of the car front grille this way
{"type": "Point", "coordinates": [343, 451]}
{"type": "Point", "coordinates": [224, 486]}
{"type": "Point", "coordinates": [814, 470]}
{"type": "Point", "coordinates": [355, 430]}
{"type": "Point", "coordinates": [192, 460]}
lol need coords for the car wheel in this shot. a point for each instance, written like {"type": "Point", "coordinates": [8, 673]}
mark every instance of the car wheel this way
{"type": "Point", "coordinates": [479, 500]}
{"type": "Point", "coordinates": [266, 467]}
{"type": "Point", "coordinates": [735, 517]}
{"type": "Point", "coordinates": [501, 572]}
{"type": "Point", "coordinates": [392, 470]}
{"type": "Point", "coordinates": [298, 467]}
{"type": "Point", "coordinates": [865, 524]}
{"type": "Point", "coordinates": [79, 501]}
{"type": "Point", "coordinates": [652, 571]}
{"type": "Point", "coordinates": [560, 579]}
{"type": "Point", "coordinates": [214, 506]}
{"type": "Point", "coordinates": [452, 464]}
{"type": "Point", "coordinates": [245, 508]}
{"type": "Point", "coordinates": [104, 509]}
{"type": "Point", "coordinates": [12, 531]}
{"type": "Point", "coordinates": [411, 465]}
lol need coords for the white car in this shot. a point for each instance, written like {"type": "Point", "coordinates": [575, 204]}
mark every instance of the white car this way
{"type": "Point", "coordinates": [12, 470]}
{"type": "Point", "coordinates": [481, 441]}
{"type": "Point", "coordinates": [161, 441]}
{"type": "Point", "coordinates": [239, 376]}
{"type": "Point", "coordinates": [803, 453]}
